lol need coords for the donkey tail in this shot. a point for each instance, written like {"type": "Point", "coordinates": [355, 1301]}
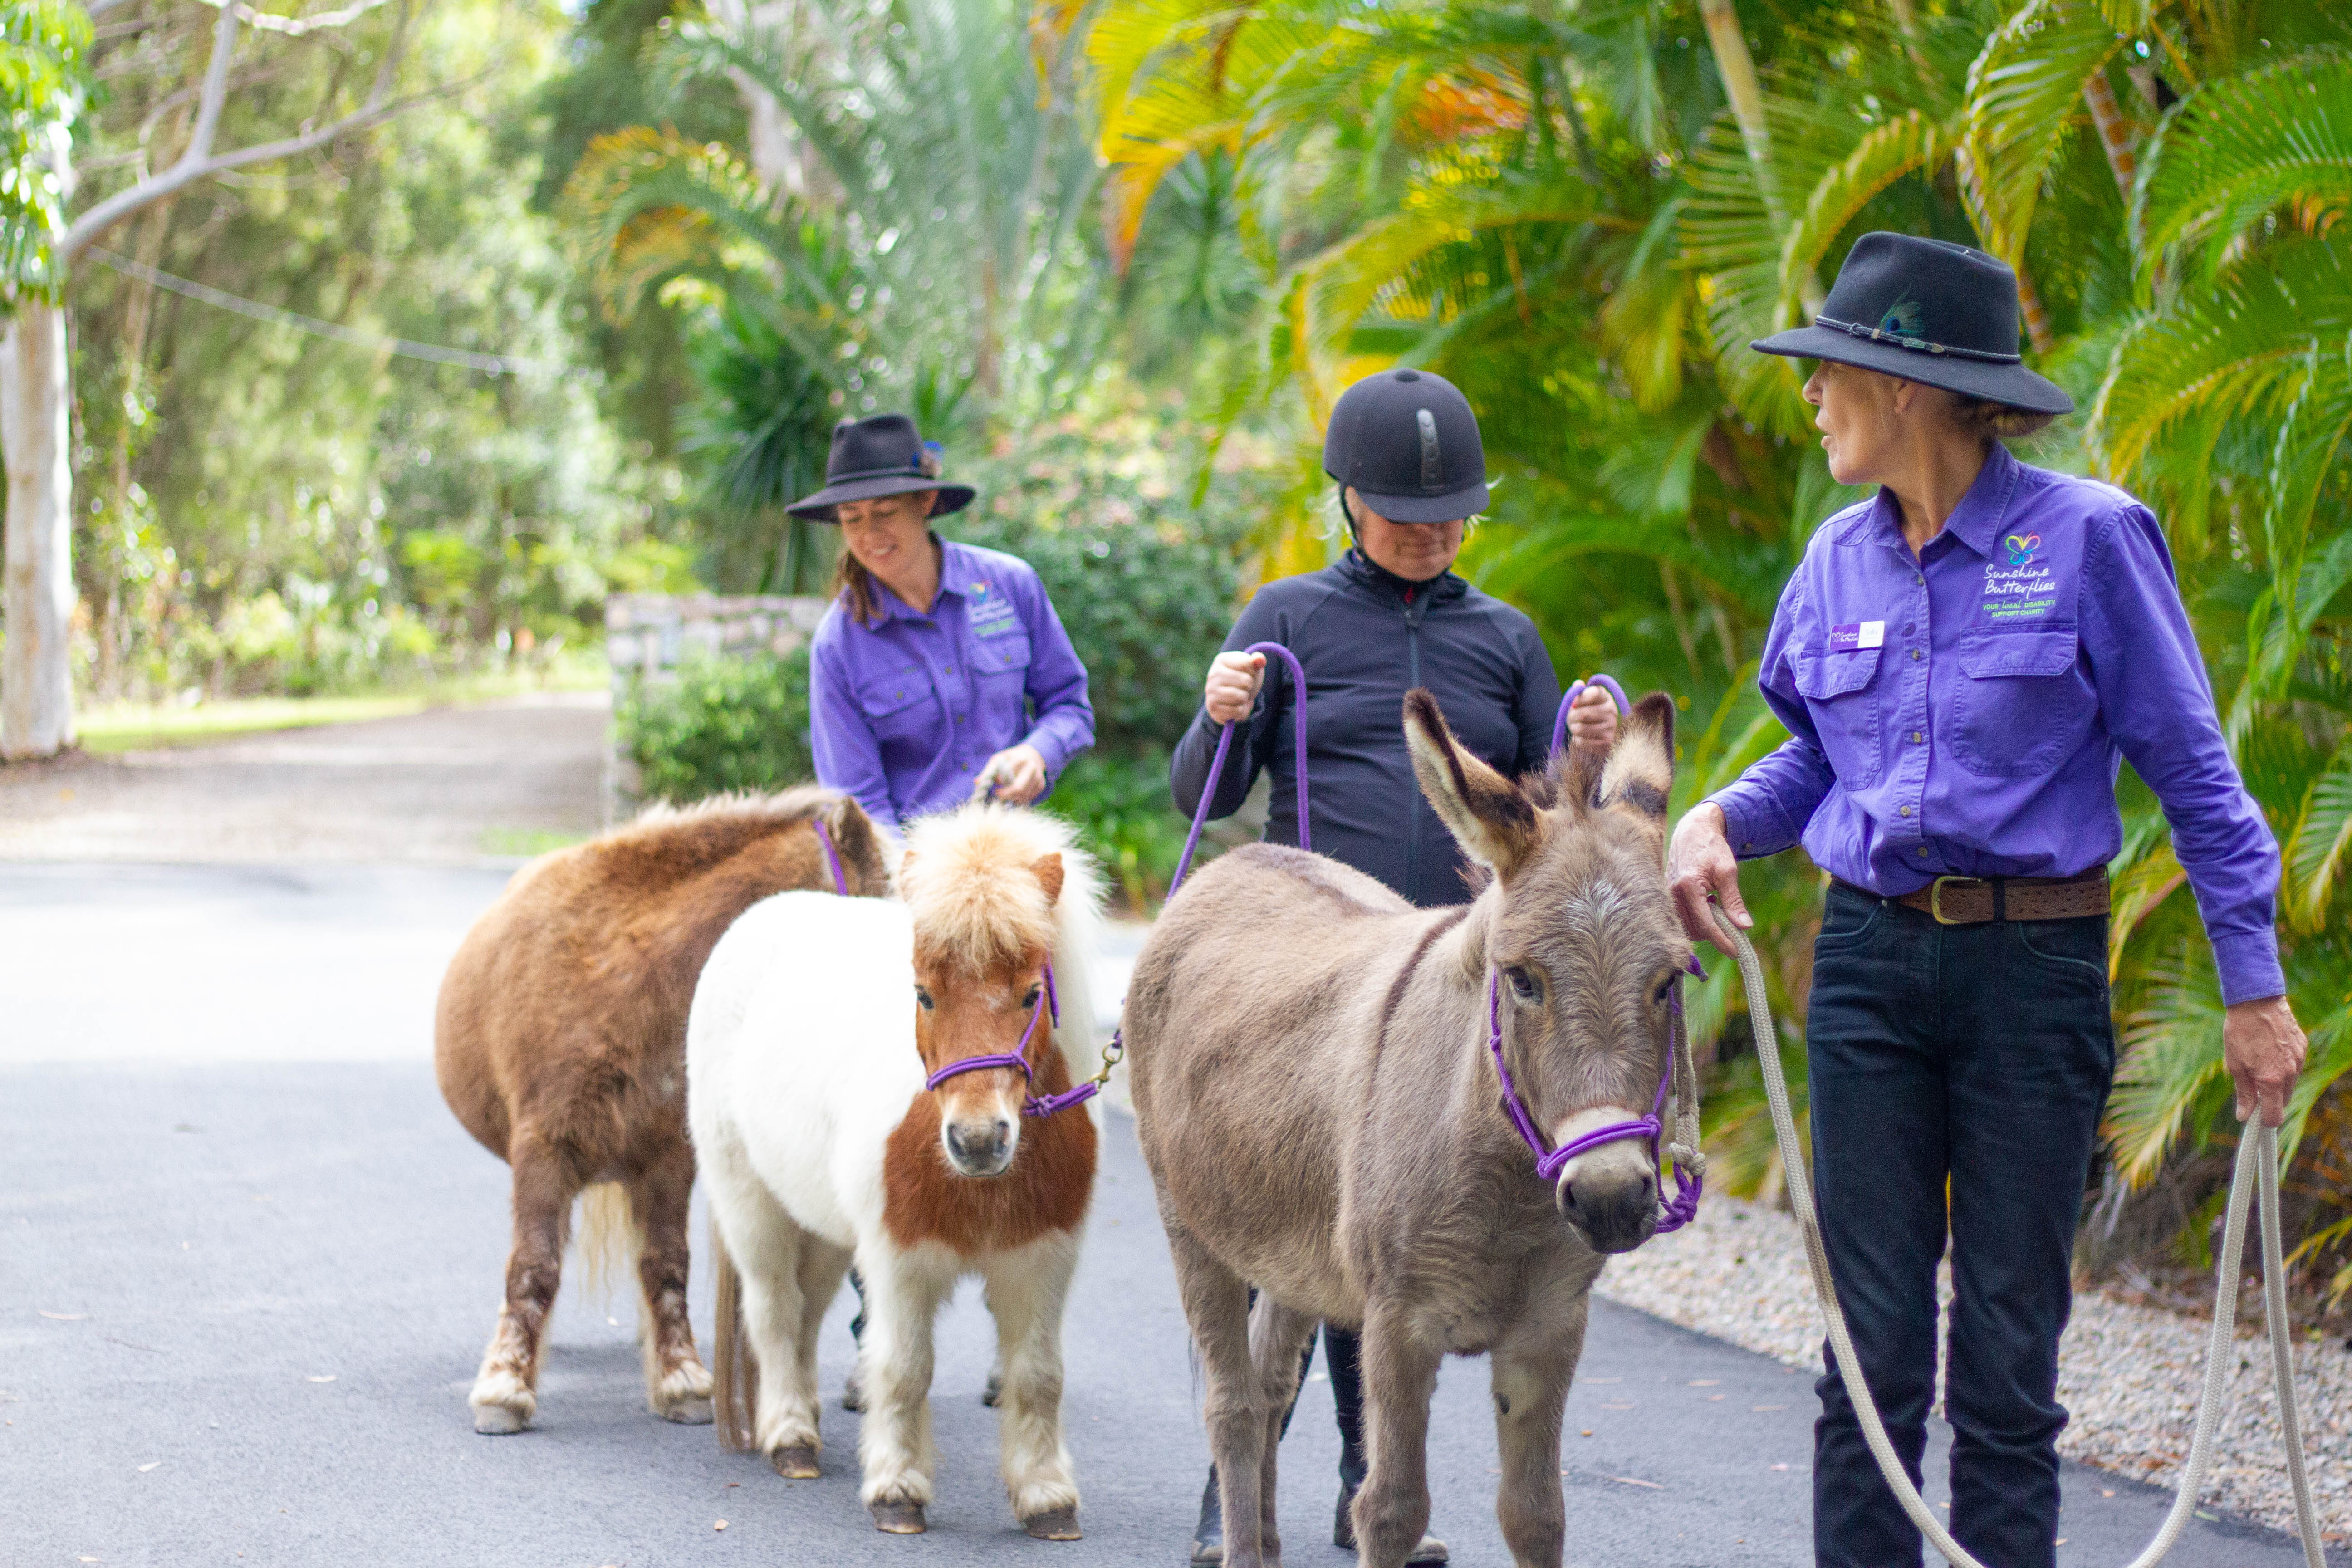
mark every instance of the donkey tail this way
{"type": "Point", "coordinates": [734, 1369]}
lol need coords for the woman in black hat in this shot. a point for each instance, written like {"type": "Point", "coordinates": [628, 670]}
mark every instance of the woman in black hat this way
{"type": "Point", "coordinates": [941, 669]}
{"type": "Point", "coordinates": [1962, 662]}
{"type": "Point", "coordinates": [1404, 450]}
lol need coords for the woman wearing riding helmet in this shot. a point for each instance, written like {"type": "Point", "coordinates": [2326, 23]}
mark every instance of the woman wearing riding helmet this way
{"type": "Point", "coordinates": [940, 668]}
{"type": "Point", "coordinates": [1962, 662]}
{"type": "Point", "coordinates": [1390, 616]}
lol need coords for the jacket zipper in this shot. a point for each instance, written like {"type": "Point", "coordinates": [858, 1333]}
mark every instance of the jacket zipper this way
{"type": "Point", "coordinates": [1413, 791]}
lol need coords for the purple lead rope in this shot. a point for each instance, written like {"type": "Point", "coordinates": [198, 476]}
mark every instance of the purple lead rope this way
{"type": "Point", "coordinates": [1225, 744]}
{"type": "Point", "coordinates": [1560, 721]}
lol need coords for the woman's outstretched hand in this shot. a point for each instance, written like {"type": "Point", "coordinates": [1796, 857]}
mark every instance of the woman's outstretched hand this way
{"type": "Point", "coordinates": [1231, 691]}
{"type": "Point", "coordinates": [1593, 719]}
{"type": "Point", "coordinates": [1699, 864]}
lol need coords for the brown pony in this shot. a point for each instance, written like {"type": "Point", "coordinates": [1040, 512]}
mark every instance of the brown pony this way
{"type": "Point", "coordinates": [560, 1042]}
{"type": "Point", "coordinates": [1317, 1097]}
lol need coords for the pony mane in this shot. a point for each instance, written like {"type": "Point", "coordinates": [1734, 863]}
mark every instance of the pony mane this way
{"type": "Point", "coordinates": [967, 880]}
{"type": "Point", "coordinates": [748, 805]}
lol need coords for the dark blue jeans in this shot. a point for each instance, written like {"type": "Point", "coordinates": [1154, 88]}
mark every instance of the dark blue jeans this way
{"type": "Point", "coordinates": [1972, 1060]}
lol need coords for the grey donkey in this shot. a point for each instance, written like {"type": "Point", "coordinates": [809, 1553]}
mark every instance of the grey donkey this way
{"type": "Point", "coordinates": [1321, 1114]}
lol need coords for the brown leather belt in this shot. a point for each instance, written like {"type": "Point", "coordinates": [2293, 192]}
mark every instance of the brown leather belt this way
{"type": "Point", "coordinates": [1972, 900]}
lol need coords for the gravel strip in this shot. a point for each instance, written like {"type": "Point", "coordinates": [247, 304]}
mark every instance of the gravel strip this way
{"type": "Point", "coordinates": [2129, 1374]}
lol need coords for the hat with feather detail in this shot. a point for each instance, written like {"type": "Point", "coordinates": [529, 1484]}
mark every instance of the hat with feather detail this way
{"type": "Point", "coordinates": [1927, 310]}
{"type": "Point", "coordinates": [881, 456]}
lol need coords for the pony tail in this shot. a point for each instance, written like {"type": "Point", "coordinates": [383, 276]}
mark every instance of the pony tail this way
{"type": "Point", "coordinates": [734, 1368]}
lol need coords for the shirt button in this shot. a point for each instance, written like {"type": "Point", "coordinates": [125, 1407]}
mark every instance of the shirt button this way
{"type": "Point", "coordinates": [1904, 812]}
{"type": "Point", "coordinates": [1923, 849]}
{"type": "Point", "coordinates": [1918, 581]}
{"type": "Point", "coordinates": [1916, 653]}
{"type": "Point", "coordinates": [1908, 628]}
{"type": "Point", "coordinates": [1918, 736]}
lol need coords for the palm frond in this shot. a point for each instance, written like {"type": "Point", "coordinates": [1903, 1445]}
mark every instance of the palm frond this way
{"type": "Point", "coordinates": [2240, 151]}
{"type": "Point", "coordinates": [2024, 94]}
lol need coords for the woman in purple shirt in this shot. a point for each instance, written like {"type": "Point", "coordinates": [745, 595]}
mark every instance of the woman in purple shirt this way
{"type": "Point", "coordinates": [1962, 662]}
{"type": "Point", "coordinates": [940, 665]}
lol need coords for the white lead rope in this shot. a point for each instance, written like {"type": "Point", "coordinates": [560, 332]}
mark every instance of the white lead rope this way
{"type": "Point", "coordinates": [2257, 1172]}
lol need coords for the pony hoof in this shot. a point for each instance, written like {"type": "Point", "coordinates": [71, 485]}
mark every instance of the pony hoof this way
{"type": "Point", "coordinates": [689, 1413]}
{"type": "Point", "coordinates": [497, 1421]}
{"type": "Point", "coordinates": [898, 1518]}
{"type": "Point", "coordinates": [994, 1392]}
{"type": "Point", "coordinates": [798, 1463]}
{"type": "Point", "coordinates": [1054, 1524]}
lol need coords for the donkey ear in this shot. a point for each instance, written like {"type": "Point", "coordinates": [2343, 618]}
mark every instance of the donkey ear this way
{"type": "Point", "coordinates": [1049, 868]}
{"type": "Point", "coordinates": [1490, 816]}
{"type": "Point", "coordinates": [1639, 776]}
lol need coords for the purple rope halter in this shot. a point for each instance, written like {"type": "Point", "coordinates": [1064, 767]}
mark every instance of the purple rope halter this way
{"type": "Point", "coordinates": [1560, 723]}
{"type": "Point", "coordinates": [1683, 1206]}
{"type": "Point", "coordinates": [1225, 744]}
{"type": "Point", "coordinates": [1048, 1006]}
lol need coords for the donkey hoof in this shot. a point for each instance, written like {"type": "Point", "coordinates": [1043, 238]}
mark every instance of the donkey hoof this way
{"type": "Point", "coordinates": [497, 1421]}
{"type": "Point", "coordinates": [1054, 1524]}
{"type": "Point", "coordinates": [994, 1392]}
{"type": "Point", "coordinates": [898, 1518]}
{"type": "Point", "coordinates": [798, 1463]}
{"type": "Point", "coordinates": [689, 1413]}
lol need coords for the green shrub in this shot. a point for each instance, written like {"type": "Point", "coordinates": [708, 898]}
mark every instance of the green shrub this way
{"type": "Point", "coordinates": [1120, 808]}
{"type": "Point", "coordinates": [1146, 583]}
{"type": "Point", "coordinates": [723, 724]}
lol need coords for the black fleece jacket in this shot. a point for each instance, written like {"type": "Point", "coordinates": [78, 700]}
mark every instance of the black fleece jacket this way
{"type": "Point", "coordinates": [1366, 638]}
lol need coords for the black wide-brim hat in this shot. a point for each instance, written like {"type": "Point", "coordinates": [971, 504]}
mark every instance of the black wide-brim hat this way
{"type": "Point", "coordinates": [1929, 311]}
{"type": "Point", "coordinates": [882, 456]}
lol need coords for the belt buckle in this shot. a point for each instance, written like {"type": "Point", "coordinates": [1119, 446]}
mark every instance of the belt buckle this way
{"type": "Point", "coordinates": [1936, 900]}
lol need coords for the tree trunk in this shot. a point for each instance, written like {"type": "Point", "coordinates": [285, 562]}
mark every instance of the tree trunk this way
{"type": "Point", "coordinates": [2114, 131]}
{"type": "Point", "coordinates": [37, 679]}
{"type": "Point", "coordinates": [1736, 68]}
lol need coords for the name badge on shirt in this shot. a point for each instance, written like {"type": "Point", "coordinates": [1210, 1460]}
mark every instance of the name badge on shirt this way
{"type": "Point", "coordinates": [1855, 635]}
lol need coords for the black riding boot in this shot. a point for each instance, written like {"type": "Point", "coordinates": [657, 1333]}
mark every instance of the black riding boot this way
{"type": "Point", "coordinates": [1342, 1353]}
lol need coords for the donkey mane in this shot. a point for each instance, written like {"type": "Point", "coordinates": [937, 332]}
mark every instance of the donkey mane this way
{"type": "Point", "coordinates": [968, 880]}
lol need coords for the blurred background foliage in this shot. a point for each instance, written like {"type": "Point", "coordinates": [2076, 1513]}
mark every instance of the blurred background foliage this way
{"type": "Point", "coordinates": [1120, 254]}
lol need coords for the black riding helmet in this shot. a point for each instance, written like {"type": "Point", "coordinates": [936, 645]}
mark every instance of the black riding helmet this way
{"type": "Point", "coordinates": [1408, 442]}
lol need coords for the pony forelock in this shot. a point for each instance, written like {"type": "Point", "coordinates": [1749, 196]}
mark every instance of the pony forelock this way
{"type": "Point", "coordinates": [970, 882]}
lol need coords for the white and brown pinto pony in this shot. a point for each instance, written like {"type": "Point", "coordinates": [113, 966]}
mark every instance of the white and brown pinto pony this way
{"type": "Point", "coordinates": [818, 1027]}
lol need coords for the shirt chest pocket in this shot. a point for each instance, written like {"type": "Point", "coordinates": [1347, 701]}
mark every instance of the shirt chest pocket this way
{"type": "Point", "coordinates": [896, 702]}
{"type": "Point", "coordinates": [2021, 705]}
{"type": "Point", "coordinates": [1837, 690]}
{"type": "Point", "coordinates": [1004, 654]}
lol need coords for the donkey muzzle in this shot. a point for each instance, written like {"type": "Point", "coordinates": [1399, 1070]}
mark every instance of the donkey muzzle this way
{"type": "Point", "coordinates": [1613, 1201]}
{"type": "Point", "coordinates": [980, 1146]}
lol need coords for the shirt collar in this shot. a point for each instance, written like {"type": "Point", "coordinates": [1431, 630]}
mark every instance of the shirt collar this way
{"type": "Point", "coordinates": [1975, 523]}
{"type": "Point", "coordinates": [956, 568]}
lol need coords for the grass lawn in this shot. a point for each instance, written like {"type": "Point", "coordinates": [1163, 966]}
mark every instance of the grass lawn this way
{"type": "Point", "coordinates": [132, 727]}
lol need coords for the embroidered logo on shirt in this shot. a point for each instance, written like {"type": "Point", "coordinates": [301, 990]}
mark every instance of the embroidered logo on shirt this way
{"type": "Point", "coordinates": [1855, 635]}
{"type": "Point", "coordinates": [2021, 590]}
{"type": "Point", "coordinates": [990, 611]}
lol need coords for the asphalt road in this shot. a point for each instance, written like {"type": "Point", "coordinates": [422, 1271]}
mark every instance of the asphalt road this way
{"type": "Point", "coordinates": [247, 1263]}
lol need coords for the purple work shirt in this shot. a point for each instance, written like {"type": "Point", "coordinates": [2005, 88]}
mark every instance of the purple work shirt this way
{"type": "Point", "coordinates": [902, 715]}
{"type": "Point", "coordinates": [1963, 713]}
